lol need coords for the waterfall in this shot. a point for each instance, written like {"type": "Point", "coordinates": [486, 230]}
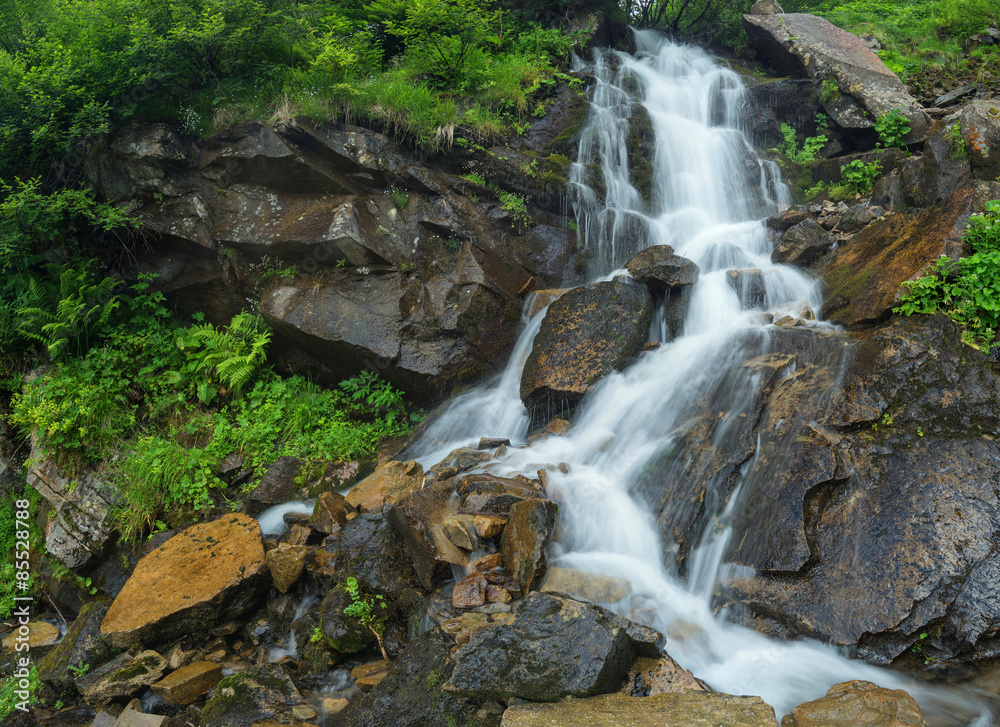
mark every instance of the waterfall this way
{"type": "Point", "coordinates": [708, 197]}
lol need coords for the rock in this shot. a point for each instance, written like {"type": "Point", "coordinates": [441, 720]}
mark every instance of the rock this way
{"type": "Point", "coordinates": [82, 644]}
{"type": "Point", "coordinates": [411, 696]}
{"type": "Point", "coordinates": [807, 46]}
{"type": "Point", "coordinates": [344, 634]}
{"type": "Point", "coordinates": [863, 277]}
{"type": "Point", "coordinates": [387, 485]}
{"type": "Point", "coordinates": [330, 512]}
{"type": "Point", "coordinates": [525, 540]}
{"type": "Point", "coordinates": [487, 562]}
{"type": "Point", "coordinates": [787, 219]}
{"type": "Point", "coordinates": [457, 461]}
{"type": "Point", "coordinates": [123, 676]}
{"type": "Point", "coordinates": [496, 594]}
{"type": "Point", "coordinates": [79, 524]}
{"type": "Point", "coordinates": [278, 483]}
{"type": "Point", "coordinates": [486, 494]}
{"type": "Point", "coordinates": [593, 587]}
{"type": "Point", "coordinates": [954, 95]}
{"type": "Point", "coordinates": [370, 681]}
{"type": "Point", "coordinates": [470, 591]}
{"type": "Point", "coordinates": [855, 218]}
{"type": "Point", "coordinates": [488, 526]}
{"type": "Point", "coordinates": [689, 709]}
{"type": "Point", "coordinates": [418, 519]}
{"type": "Point", "coordinates": [858, 704]}
{"type": "Point", "coordinates": [789, 101]}
{"type": "Point", "coordinates": [304, 713]}
{"type": "Point", "coordinates": [588, 333]}
{"type": "Point", "coordinates": [460, 530]}
{"type": "Point", "coordinates": [133, 716]}
{"type": "Point", "coordinates": [185, 685]}
{"type": "Point", "coordinates": [462, 627]}
{"type": "Point", "coordinates": [259, 695]}
{"type": "Point", "coordinates": [802, 244]}
{"type": "Point", "coordinates": [286, 563]}
{"type": "Point", "coordinates": [369, 549]}
{"type": "Point", "coordinates": [749, 286]}
{"type": "Point", "coordinates": [542, 298]}
{"type": "Point", "coordinates": [40, 633]}
{"type": "Point", "coordinates": [206, 574]}
{"type": "Point", "coordinates": [649, 676]}
{"type": "Point", "coordinates": [765, 7]}
{"type": "Point", "coordinates": [658, 268]}
{"type": "Point", "coordinates": [981, 131]}
{"type": "Point", "coordinates": [553, 648]}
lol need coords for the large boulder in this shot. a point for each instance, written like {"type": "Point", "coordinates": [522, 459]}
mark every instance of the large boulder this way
{"type": "Point", "coordinates": [686, 709]}
{"type": "Point", "coordinates": [205, 574]}
{"type": "Point", "coordinates": [387, 485]}
{"type": "Point", "coordinates": [554, 647]}
{"type": "Point", "coordinates": [260, 695]}
{"type": "Point", "coordinates": [802, 245]}
{"type": "Point", "coordinates": [525, 540]}
{"type": "Point", "coordinates": [586, 334]}
{"type": "Point", "coordinates": [419, 520]}
{"type": "Point", "coordinates": [658, 268]}
{"type": "Point", "coordinates": [980, 125]}
{"type": "Point", "coordinates": [807, 46]}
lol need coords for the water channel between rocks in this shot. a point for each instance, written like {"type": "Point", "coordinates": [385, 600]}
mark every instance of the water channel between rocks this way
{"type": "Point", "coordinates": [709, 195]}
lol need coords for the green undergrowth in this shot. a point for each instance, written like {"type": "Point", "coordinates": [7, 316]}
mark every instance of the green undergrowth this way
{"type": "Point", "coordinates": [966, 290]}
{"type": "Point", "coordinates": [160, 403]}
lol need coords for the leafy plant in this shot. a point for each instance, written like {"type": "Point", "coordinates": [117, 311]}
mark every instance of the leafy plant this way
{"type": "Point", "coordinates": [958, 145]}
{"type": "Point", "coordinates": [860, 176]}
{"type": "Point", "coordinates": [517, 207]}
{"type": "Point", "coordinates": [79, 669]}
{"type": "Point", "coordinates": [810, 147]}
{"type": "Point", "coordinates": [892, 127]}
{"type": "Point", "coordinates": [400, 198]}
{"type": "Point", "coordinates": [829, 90]}
{"type": "Point", "coordinates": [369, 610]}
{"type": "Point", "coordinates": [10, 699]}
{"type": "Point", "coordinates": [228, 357]}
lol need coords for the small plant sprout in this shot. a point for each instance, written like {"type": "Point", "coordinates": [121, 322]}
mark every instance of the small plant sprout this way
{"type": "Point", "coordinates": [369, 610]}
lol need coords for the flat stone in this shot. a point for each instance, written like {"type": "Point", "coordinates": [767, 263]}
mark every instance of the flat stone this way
{"type": "Point", "coordinates": [657, 267]}
{"type": "Point", "coordinates": [121, 677]}
{"type": "Point", "coordinates": [486, 494]}
{"type": "Point", "coordinates": [593, 587]}
{"type": "Point", "coordinates": [304, 713]}
{"type": "Point", "coordinates": [40, 633]}
{"type": "Point", "coordinates": [133, 716]}
{"type": "Point", "coordinates": [208, 573]}
{"type": "Point", "coordinates": [185, 685]}
{"type": "Point", "coordinates": [257, 696]}
{"type": "Point", "coordinates": [371, 667]}
{"type": "Point", "coordinates": [387, 485]}
{"type": "Point", "coordinates": [487, 562]}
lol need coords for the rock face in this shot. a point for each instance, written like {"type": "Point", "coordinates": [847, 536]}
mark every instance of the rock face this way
{"type": "Point", "coordinates": [980, 124]}
{"type": "Point", "coordinates": [658, 268]}
{"type": "Point", "coordinates": [807, 46]}
{"type": "Point", "coordinates": [83, 643]}
{"type": "Point", "coordinates": [555, 647]}
{"type": "Point", "coordinates": [859, 704]}
{"type": "Point", "coordinates": [705, 709]}
{"type": "Point", "coordinates": [207, 573]}
{"type": "Point", "coordinates": [587, 333]}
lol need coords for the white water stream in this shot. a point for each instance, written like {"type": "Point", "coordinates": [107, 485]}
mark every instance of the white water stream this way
{"type": "Point", "coordinates": [711, 193]}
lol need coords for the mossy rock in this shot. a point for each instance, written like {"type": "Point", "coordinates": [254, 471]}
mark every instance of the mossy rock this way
{"type": "Point", "coordinates": [260, 694]}
{"type": "Point", "coordinates": [82, 644]}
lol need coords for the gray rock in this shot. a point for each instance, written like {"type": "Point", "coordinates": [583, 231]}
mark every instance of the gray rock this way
{"type": "Point", "coordinates": [766, 7]}
{"type": "Point", "coordinates": [749, 286]}
{"type": "Point", "coordinates": [82, 644]}
{"type": "Point", "coordinates": [259, 694]}
{"type": "Point", "coordinates": [658, 268]}
{"type": "Point", "coordinates": [123, 676]}
{"type": "Point", "coordinates": [855, 218]}
{"type": "Point", "coordinates": [802, 244]}
{"type": "Point", "coordinates": [981, 130]}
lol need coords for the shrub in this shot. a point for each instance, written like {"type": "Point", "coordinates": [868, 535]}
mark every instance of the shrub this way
{"type": "Point", "coordinates": [860, 177]}
{"type": "Point", "coordinates": [892, 127]}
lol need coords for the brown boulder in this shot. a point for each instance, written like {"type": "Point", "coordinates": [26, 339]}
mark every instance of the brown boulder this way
{"type": "Point", "coordinates": [418, 518]}
{"type": "Point", "coordinates": [387, 485]}
{"type": "Point", "coordinates": [208, 573]}
{"type": "Point", "coordinates": [858, 704]}
{"type": "Point", "coordinates": [980, 126]}
{"type": "Point", "coordinates": [186, 684]}
{"type": "Point", "coordinates": [658, 268]}
{"type": "Point", "coordinates": [286, 563]}
{"type": "Point", "coordinates": [525, 539]}
{"type": "Point", "coordinates": [588, 333]}
{"type": "Point", "coordinates": [649, 676]}
{"type": "Point", "coordinates": [330, 512]}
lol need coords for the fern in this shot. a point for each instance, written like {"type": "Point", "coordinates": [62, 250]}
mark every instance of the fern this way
{"type": "Point", "coordinates": [230, 357]}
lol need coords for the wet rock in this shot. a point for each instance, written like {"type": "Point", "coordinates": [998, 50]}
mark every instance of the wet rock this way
{"type": "Point", "coordinates": [749, 286]}
{"type": "Point", "coordinates": [460, 530]}
{"type": "Point", "coordinates": [344, 634]}
{"type": "Point", "coordinates": [260, 694]}
{"type": "Point", "coordinates": [39, 633]}
{"type": "Point", "coordinates": [411, 696]}
{"type": "Point", "coordinates": [804, 45]}
{"type": "Point", "coordinates": [542, 298]}
{"type": "Point", "coordinates": [496, 594]}
{"type": "Point", "coordinates": [186, 684]}
{"type": "Point", "coordinates": [123, 676]}
{"type": "Point", "coordinates": [649, 676]}
{"type": "Point", "coordinates": [369, 549]}
{"type": "Point", "coordinates": [330, 512]}
{"type": "Point", "coordinates": [487, 563]}
{"type": "Point", "coordinates": [418, 519]}
{"type": "Point", "coordinates": [486, 494]}
{"type": "Point", "coordinates": [592, 587]}
{"type": "Point", "coordinates": [206, 574]}
{"type": "Point", "coordinates": [278, 483]}
{"type": "Point", "coordinates": [525, 540]}
{"type": "Point", "coordinates": [458, 461]}
{"type": "Point", "coordinates": [79, 526]}
{"type": "Point", "coordinates": [82, 644]}
{"type": "Point", "coordinates": [855, 218]}
{"type": "Point", "coordinates": [470, 591]}
{"type": "Point", "coordinates": [863, 277]}
{"type": "Point", "coordinates": [387, 485]}
{"type": "Point", "coordinates": [286, 563]}
{"type": "Point", "coordinates": [981, 131]}
{"type": "Point", "coordinates": [462, 627]}
{"type": "Point", "coordinates": [663, 710]}
{"type": "Point", "coordinates": [133, 716]}
{"type": "Point", "coordinates": [802, 244]}
{"type": "Point", "coordinates": [488, 526]}
{"type": "Point", "coordinates": [858, 704]}
{"type": "Point", "coordinates": [554, 647]}
{"type": "Point", "coordinates": [587, 333]}
{"type": "Point", "coordinates": [658, 268]}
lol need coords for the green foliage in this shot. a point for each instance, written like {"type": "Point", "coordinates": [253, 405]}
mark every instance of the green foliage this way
{"type": "Point", "coordinates": [222, 358]}
{"type": "Point", "coordinates": [9, 700]}
{"type": "Point", "coordinates": [79, 669]}
{"type": "Point", "coordinates": [892, 127]}
{"type": "Point", "coordinates": [9, 533]}
{"type": "Point", "coordinates": [829, 90]}
{"type": "Point", "coordinates": [860, 177]}
{"type": "Point", "coordinates": [369, 610]}
{"type": "Point", "coordinates": [399, 198]}
{"type": "Point", "coordinates": [810, 147]}
{"type": "Point", "coordinates": [517, 207]}
{"type": "Point", "coordinates": [968, 291]}
{"type": "Point", "coordinates": [958, 146]}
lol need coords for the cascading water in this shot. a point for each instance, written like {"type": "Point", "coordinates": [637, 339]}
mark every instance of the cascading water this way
{"type": "Point", "coordinates": [710, 193]}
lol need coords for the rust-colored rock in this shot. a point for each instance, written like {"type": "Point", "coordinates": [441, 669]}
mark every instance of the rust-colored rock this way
{"type": "Point", "coordinates": [863, 277]}
{"type": "Point", "coordinates": [186, 684]}
{"type": "Point", "coordinates": [330, 512]}
{"type": "Point", "coordinates": [469, 592]}
{"type": "Point", "coordinates": [206, 574]}
{"type": "Point", "coordinates": [487, 563]}
{"type": "Point", "coordinates": [496, 594]}
{"type": "Point", "coordinates": [587, 333]}
{"type": "Point", "coordinates": [858, 704]}
{"type": "Point", "coordinates": [649, 676]}
{"type": "Point", "coordinates": [387, 485]}
{"type": "Point", "coordinates": [525, 540]}
{"type": "Point", "coordinates": [981, 131]}
{"type": "Point", "coordinates": [488, 526]}
{"type": "Point", "coordinates": [460, 530]}
{"type": "Point", "coordinates": [286, 563]}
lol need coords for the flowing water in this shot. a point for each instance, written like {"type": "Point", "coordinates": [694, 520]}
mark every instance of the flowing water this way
{"type": "Point", "coordinates": [710, 195]}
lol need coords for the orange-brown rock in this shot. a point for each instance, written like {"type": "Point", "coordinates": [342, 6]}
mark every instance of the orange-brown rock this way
{"type": "Point", "coordinates": [525, 540]}
{"type": "Point", "coordinates": [487, 562]}
{"type": "Point", "coordinates": [469, 592]}
{"type": "Point", "coordinates": [387, 485]}
{"type": "Point", "coordinates": [649, 676]}
{"type": "Point", "coordinates": [863, 277]}
{"type": "Point", "coordinates": [209, 573]}
{"type": "Point", "coordinates": [330, 512]}
{"type": "Point", "coordinates": [286, 563]}
{"type": "Point", "coordinates": [858, 704]}
{"type": "Point", "coordinates": [542, 298]}
{"type": "Point", "coordinates": [418, 519]}
{"type": "Point", "coordinates": [488, 526]}
{"type": "Point", "coordinates": [186, 684]}
{"type": "Point", "coordinates": [497, 594]}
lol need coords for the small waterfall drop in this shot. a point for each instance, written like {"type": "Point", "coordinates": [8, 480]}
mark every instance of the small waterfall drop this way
{"type": "Point", "coordinates": [708, 197]}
